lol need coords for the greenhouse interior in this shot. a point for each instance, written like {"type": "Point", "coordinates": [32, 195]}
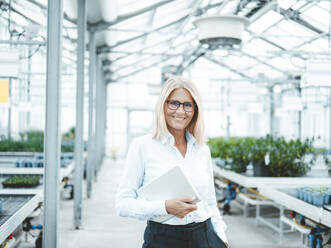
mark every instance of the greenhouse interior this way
{"type": "Point", "coordinates": [90, 101]}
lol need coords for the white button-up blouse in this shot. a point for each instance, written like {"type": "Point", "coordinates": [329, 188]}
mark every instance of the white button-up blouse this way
{"type": "Point", "coordinates": [149, 158]}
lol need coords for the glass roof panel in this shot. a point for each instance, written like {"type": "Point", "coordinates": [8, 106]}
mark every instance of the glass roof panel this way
{"type": "Point", "coordinates": [138, 21]}
{"type": "Point", "coordinates": [183, 39]}
{"type": "Point", "coordinates": [320, 45]}
{"type": "Point", "coordinates": [19, 20]}
{"type": "Point", "coordinates": [128, 60]}
{"type": "Point", "coordinates": [295, 28]}
{"type": "Point", "coordinates": [205, 66]}
{"type": "Point", "coordinates": [147, 46]}
{"type": "Point", "coordinates": [116, 55]}
{"type": "Point", "coordinates": [299, 4]}
{"type": "Point", "coordinates": [324, 5]}
{"type": "Point", "coordinates": [123, 35]}
{"type": "Point", "coordinates": [169, 29]}
{"type": "Point", "coordinates": [282, 38]}
{"type": "Point", "coordinates": [318, 17]}
{"type": "Point", "coordinates": [128, 6]}
{"type": "Point", "coordinates": [282, 63]}
{"type": "Point", "coordinates": [259, 47]}
{"type": "Point", "coordinates": [261, 69]}
{"type": "Point", "coordinates": [157, 49]}
{"type": "Point", "coordinates": [43, 2]}
{"type": "Point", "coordinates": [182, 47]}
{"type": "Point", "coordinates": [238, 61]}
{"type": "Point", "coordinates": [170, 12]}
{"type": "Point", "coordinates": [174, 60]}
{"type": "Point", "coordinates": [152, 60]}
{"type": "Point", "coordinates": [144, 63]}
{"type": "Point", "coordinates": [130, 46]}
{"type": "Point", "coordinates": [31, 11]}
{"type": "Point", "coordinates": [310, 48]}
{"type": "Point", "coordinates": [264, 22]}
{"type": "Point", "coordinates": [156, 38]}
{"type": "Point", "coordinates": [286, 4]}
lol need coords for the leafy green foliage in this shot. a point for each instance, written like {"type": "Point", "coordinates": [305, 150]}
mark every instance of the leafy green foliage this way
{"type": "Point", "coordinates": [10, 145]}
{"type": "Point", "coordinates": [31, 141]}
{"type": "Point", "coordinates": [286, 158]}
{"type": "Point", "coordinates": [233, 150]}
{"type": "Point", "coordinates": [21, 181]}
{"type": "Point", "coordinates": [70, 134]}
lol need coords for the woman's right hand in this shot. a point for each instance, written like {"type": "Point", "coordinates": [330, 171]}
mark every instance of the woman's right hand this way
{"type": "Point", "coordinates": [180, 206]}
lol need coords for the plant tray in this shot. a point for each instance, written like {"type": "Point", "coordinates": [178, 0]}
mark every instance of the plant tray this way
{"type": "Point", "coordinates": [19, 185]}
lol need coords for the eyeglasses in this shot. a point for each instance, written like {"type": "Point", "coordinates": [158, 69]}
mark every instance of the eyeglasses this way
{"type": "Point", "coordinates": [174, 105]}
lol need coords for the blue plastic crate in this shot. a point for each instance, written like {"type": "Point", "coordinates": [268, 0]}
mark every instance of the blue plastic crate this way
{"type": "Point", "coordinates": [17, 164]}
{"type": "Point", "coordinates": [327, 197]}
{"type": "Point", "coordinates": [318, 199]}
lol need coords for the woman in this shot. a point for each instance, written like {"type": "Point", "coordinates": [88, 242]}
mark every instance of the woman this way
{"type": "Point", "coordinates": [177, 139]}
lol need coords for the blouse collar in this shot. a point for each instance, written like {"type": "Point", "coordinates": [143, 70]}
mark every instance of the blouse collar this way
{"type": "Point", "coordinates": [169, 139]}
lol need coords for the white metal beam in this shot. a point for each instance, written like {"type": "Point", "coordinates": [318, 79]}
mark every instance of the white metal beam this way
{"type": "Point", "coordinates": [52, 144]}
{"type": "Point", "coordinates": [79, 141]}
{"type": "Point", "coordinates": [91, 129]}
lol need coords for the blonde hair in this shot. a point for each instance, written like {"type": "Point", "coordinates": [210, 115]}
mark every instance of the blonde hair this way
{"type": "Point", "coordinates": [195, 127]}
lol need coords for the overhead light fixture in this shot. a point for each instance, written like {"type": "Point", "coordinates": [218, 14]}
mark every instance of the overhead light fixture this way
{"type": "Point", "coordinates": [221, 30]}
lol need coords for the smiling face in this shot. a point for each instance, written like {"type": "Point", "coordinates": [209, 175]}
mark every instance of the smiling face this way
{"type": "Point", "coordinates": [178, 120]}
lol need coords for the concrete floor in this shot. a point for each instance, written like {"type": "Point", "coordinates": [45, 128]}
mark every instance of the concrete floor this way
{"type": "Point", "coordinates": [102, 228]}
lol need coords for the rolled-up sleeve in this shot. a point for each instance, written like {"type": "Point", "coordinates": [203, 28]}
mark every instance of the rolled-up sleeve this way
{"type": "Point", "coordinates": [217, 220]}
{"type": "Point", "coordinates": [127, 202]}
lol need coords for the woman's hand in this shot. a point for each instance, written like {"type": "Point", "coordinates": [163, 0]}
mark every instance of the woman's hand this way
{"type": "Point", "coordinates": [180, 206]}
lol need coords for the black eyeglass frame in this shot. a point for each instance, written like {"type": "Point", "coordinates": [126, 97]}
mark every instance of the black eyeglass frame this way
{"type": "Point", "coordinates": [182, 103]}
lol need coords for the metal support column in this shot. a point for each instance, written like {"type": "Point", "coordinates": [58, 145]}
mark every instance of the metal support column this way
{"type": "Point", "coordinates": [330, 121]}
{"type": "Point", "coordinates": [104, 119]}
{"type": "Point", "coordinates": [299, 118]}
{"type": "Point", "coordinates": [52, 141]}
{"type": "Point", "coordinates": [228, 124]}
{"type": "Point", "coordinates": [91, 150]}
{"type": "Point", "coordinates": [28, 90]}
{"type": "Point", "coordinates": [272, 111]}
{"type": "Point", "coordinates": [98, 118]}
{"type": "Point", "coordinates": [79, 141]}
{"type": "Point", "coordinates": [299, 124]}
{"type": "Point", "coordinates": [9, 108]}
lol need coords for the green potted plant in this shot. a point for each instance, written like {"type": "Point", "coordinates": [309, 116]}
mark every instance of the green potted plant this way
{"type": "Point", "coordinates": [288, 159]}
{"type": "Point", "coordinates": [218, 149]}
{"type": "Point", "coordinates": [238, 150]}
{"type": "Point", "coordinates": [258, 151]}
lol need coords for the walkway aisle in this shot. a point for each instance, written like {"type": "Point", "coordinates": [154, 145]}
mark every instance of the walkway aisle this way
{"type": "Point", "coordinates": [102, 228]}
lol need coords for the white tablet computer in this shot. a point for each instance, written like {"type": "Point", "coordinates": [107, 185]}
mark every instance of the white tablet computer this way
{"type": "Point", "coordinates": [171, 184]}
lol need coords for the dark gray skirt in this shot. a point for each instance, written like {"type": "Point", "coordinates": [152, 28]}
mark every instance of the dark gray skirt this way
{"type": "Point", "coordinates": [194, 235]}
